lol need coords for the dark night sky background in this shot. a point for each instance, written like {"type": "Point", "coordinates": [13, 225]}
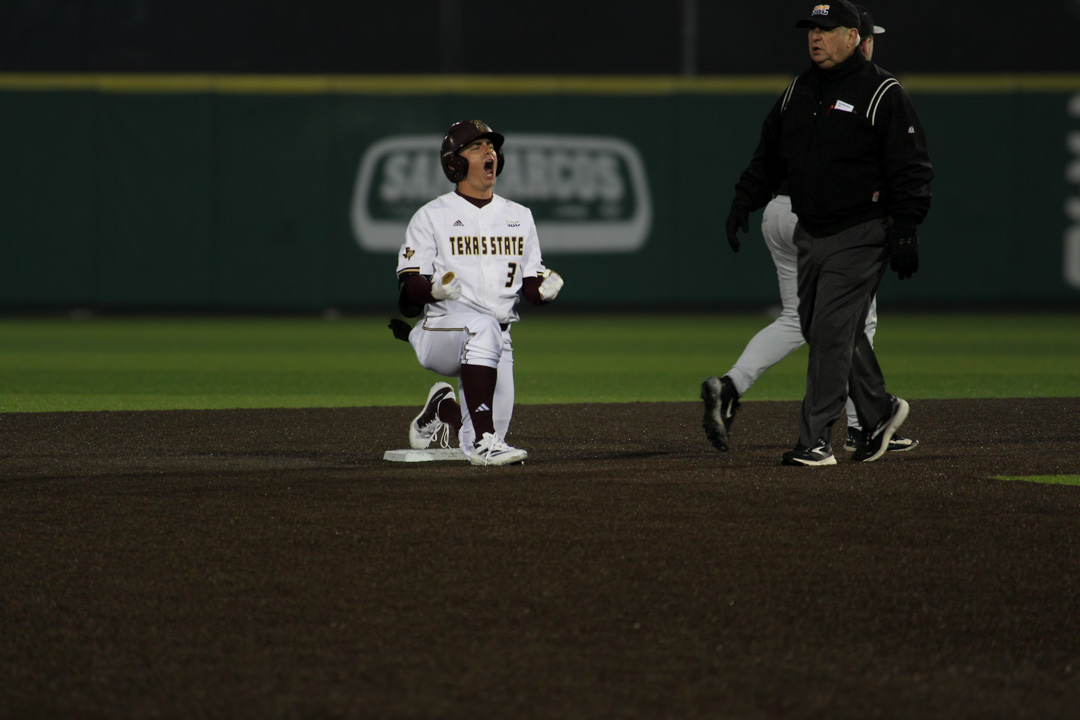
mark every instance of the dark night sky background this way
{"type": "Point", "coordinates": [466, 37]}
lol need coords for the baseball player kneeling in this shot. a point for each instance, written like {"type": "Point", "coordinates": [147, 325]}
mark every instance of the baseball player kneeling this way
{"type": "Point", "coordinates": [466, 256]}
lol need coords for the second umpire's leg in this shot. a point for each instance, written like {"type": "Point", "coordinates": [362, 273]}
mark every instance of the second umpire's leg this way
{"type": "Point", "coordinates": [838, 278]}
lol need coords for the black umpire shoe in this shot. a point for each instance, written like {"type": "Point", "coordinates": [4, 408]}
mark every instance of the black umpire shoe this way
{"type": "Point", "coordinates": [876, 443]}
{"type": "Point", "coordinates": [896, 444]}
{"type": "Point", "coordinates": [820, 454]}
{"type": "Point", "coordinates": [721, 402]}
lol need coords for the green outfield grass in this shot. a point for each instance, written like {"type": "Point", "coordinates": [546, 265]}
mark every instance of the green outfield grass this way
{"type": "Point", "coordinates": [177, 363]}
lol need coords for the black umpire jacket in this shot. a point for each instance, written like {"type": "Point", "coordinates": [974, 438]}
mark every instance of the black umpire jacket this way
{"type": "Point", "coordinates": [850, 146]}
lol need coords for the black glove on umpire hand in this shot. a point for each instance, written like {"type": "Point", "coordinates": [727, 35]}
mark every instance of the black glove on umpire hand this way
{"type": "Point", "coordinates": [739, 217]}
{"type": "Point", "coordinates": [903, 252]}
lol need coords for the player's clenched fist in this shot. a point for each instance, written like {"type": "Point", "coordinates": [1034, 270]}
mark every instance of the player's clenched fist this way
{"type": "Point", "coordinates": [551, 286]}
{"type": "Point", "coordinates": [445, 286]}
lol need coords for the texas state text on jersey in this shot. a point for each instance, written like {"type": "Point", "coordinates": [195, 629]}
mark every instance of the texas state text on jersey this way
{"type": "Point", "coordinates": [487, 246]}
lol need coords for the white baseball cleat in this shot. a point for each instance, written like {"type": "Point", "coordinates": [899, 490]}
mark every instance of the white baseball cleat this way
{"type": "Point", "coordinates": [426, 426]}
{"type": "Point", "coordinates": [491, 450]}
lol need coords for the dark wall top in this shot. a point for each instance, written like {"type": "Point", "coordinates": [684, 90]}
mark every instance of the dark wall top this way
{"type": "Point", "coordinates": [705, 37]}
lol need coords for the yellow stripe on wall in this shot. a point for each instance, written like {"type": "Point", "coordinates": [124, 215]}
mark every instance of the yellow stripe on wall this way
{"type": "Point", "coordinates": [500, 84]}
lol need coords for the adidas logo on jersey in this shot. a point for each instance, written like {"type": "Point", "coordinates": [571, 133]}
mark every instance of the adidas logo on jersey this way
{"type": "Point", "coordinates": [483, 408]}
{"type": "Point", "coordinates": [458, 223]}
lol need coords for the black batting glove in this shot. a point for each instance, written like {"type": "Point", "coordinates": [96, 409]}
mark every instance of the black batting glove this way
{"type": "Point", "coordinates": [739, 217]}
{"type": "Point", "coordinates": [903, 252]}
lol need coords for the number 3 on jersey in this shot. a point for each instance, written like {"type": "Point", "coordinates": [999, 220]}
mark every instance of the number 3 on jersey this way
{"type": "Point", "coordinates": [510, 275]}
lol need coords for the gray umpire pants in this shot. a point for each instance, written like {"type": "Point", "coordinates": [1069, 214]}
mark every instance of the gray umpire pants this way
{"type": "Point", "coordinates": [838, 278]}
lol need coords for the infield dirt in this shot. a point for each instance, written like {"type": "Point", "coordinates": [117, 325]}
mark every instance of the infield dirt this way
{"type": "Point", "coordinates": [269, 563]}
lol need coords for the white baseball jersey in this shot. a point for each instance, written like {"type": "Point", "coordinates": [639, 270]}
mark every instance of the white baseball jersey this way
{"type": "Point", "coordinates": [490, 249]}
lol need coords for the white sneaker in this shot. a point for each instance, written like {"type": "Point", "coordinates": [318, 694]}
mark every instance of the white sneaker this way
{"type": "Point", "coordinates": [491, 450]}
{"type": "Point", "coordinates": [426, 426]}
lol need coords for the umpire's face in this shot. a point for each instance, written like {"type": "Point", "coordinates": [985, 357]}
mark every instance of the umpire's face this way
{"type": "Point", "coordinates": [831, 46]}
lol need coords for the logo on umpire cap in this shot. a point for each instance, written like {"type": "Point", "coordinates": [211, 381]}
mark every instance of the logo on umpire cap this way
{"type": "Point", "coordinates": [820, 10]}
{"type": "Point", "coordinates": [588, 194]}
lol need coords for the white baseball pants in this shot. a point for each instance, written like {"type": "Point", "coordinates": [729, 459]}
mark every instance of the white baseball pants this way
{"type": "Point", "coordinates": [443, 344]}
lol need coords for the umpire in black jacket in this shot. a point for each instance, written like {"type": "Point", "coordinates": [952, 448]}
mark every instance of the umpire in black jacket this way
{"type": "Point", "coordinates": [846, 138]}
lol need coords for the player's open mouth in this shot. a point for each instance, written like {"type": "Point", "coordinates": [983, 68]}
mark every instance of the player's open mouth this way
{"type": "Point", "coordinates": [489, 166]}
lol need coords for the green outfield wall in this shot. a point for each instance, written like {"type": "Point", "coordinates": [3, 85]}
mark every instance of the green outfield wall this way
{"type": "Point", "coordinates": [292, 193]}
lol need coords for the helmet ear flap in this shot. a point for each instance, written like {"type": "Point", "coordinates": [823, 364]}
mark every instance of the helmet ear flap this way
{"type": "Point", "coordinates": [455, 167]}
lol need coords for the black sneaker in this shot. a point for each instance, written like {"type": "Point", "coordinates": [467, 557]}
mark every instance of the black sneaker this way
{"type": "Point", "coordinates": [902, 444]}
{"type": "Point", "coordinates": [820, 454]}
{"type": "Point", "coordinates": [721, 402]}
{"type": "Point", "coordinates": [896, 443]}
{"type": "Point", "coordinates": [876, 443]}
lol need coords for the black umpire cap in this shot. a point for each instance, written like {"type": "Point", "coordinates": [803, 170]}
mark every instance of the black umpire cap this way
{"type": "Point", "coordinates": [866, 23]}
{"type": "Point", "coordinates": [836, 13]}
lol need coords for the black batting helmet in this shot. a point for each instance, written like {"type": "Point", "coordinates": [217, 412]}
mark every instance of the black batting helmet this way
{"type": "Point", "coordinates": [458, 136]}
